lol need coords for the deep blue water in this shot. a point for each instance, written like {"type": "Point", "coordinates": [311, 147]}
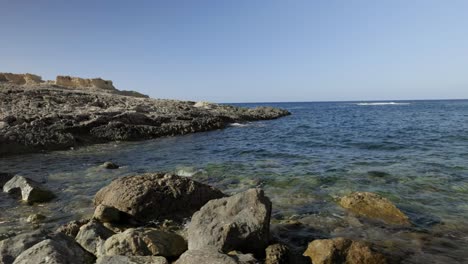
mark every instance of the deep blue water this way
{"type": "Point", "coordinates": [415, 153]}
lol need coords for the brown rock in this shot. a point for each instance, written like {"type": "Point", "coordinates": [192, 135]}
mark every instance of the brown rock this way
{"type": "Point", "coordinates": [372, 205]}
{"type": "Point", "coordinates": [342, 250]}
{"type": "Point", "coordinates": [156, 196]}
{"type": "Point", "coordinates": [277, 254]}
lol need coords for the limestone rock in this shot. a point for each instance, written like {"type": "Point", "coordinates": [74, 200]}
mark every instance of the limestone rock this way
{"type": "Point", "coordinates": [157, 196]}
{"type": "Point", "coordinates": [240, 222]}
{"type": "Point", "coordinates": [92, 236]}
{"type": "Point", "coordinates": [110, 165]}
{"type": "Point", "coordinates": [206, 105]}
{"type": "Point", "coordinates": [10, 248]}
{"type": "Point", "coordinates": [131, 260]}
{"type": "Point", "coordinates": [76, 82]}
{"type": "Point", "coordinates": [145, 242]}
{"type": "Point", "coordinates": [107, 214]}
{"type": "Point", "coordinates": [31, 191]}
{"type": "Point", "coordinates": [57, 250]}
{"type": "Point", "coordinates": [372, 205]}
{"type": "Point", "coordinates": [207, 256]}
{"type": "Point", "coordinates": [277, 254]}
{"type": "Point", "coordinates": [20, 79]}
{"type": "Point", "coordinates": [71, 228]}
{"type": "Point", "coordinates": [35, 218]}
{"type": "Point", "coordinates": [341, 250]}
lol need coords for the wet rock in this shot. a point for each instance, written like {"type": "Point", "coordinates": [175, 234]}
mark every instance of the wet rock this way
{"type": "Point", "coordinates": [156, 196]}
{"type": "Point", "coordinates": [110, 165]}
{"type": "Point", "coordinates": [5, 177]}
{"type": "Point", "coordinates": [57, 250]}
{"type": "Point", "coordinates": [131, 260]}
{"type": "Point", "coordinates": [107, 214]}
{"type": "Point", "coordinates": [240, 222]}
{"type": "Point", "coordinates": [12, 247]}
{"type": "Point", "coordinates": [207, 256]}
{"type": "Point", "coordinates": [6, 235]}
{"type": "Point", "coordinates": [92, 236]}
{"type": "Point", "coordinates": [35, 218]}
{"type": "Point", "coordinates": [71, 228]}
{"type": "Point", "coordinates": [31, 191]}
{"type": "Point", "coordinates": [342, 250]}
{"type": "Point", "coordinates": [145, 242]}
{"type": "Point", "coordinates": [374, 206]}
{"type": "Point", "coordinates": [277, 254]}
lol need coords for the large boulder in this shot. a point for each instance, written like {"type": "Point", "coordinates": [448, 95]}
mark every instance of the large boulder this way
{"type": "Point", "coordinates": [145, 242]}
{"type": "Point", "coordinates": [374, 206]}
{"type": "Point", "coordinates": [131, 260]}
{"type": "Point", "coordinates": [156, 196]}
{"type": "Point", "coordinates": [31, 191]}
{"type": "Point", "coordinates": [240, 222]}
{"type": "Point", "coordinates": [342, 250]}
{"type": "Point", "coordinates": [207, 256]}
{"type": "Point", "coordinates": [57, 250]}
{"type": "Point", "coordinates": [12, 247]}
{"type": "Point", "coordinates": [92, 237]}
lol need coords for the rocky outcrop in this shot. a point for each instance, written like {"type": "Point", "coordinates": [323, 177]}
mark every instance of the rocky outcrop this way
{"type": "Point", "coordinates": [213, 257]}
{"type": "Point", "coordinates": [156, 196]}
{"type": "Point", "coordinates": [12, 247]}
{"type": "Point", "coordinates": [29, 190]}
{"type": "Point", "coordinates": [374, 206]}
{"type": "Point", "coordinates": [341, 250]}
{"type": "Point", "coordinates": [21, 79]}
{"type": "Point", "coordinates": [45, 117]}
{"type": "Point", "coordinates": [76, 82]}
{"type": "Point", "coordinates": [145, 242]}
{"type": "Point", "coordinates": [131, 260]}
{"type": "Point", "coordinates": [57, 250]}
{"type": "Point", "coordinates": [240, 222]}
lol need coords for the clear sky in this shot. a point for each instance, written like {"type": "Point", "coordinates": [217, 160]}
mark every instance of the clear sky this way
{"type": "Point", "coordinates": [246, 50]}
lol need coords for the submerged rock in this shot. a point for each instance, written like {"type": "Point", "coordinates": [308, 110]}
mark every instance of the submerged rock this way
{"type": "Point", "coordinates": [156, 196]}
{"type": "Point", "coordinates": [372, 205]}
{"type": "Point", "coordinates": [145, 242]}
{"type": "Point", "coordinates": [207, 256]}
{"type": "Point", "coordinates": [240, 222]}
{"type": "Point", "coordinates": [110, 165]}
{"type": "Point", "coordinates": [57, 250]}
{"type": "Point", "coordinates": [31, 191]}
{"type": "Point", "coordinates": [131, 260]}
{"type": "Point", "coordinates": [342, 250]}
{"type": "Point", "coordinates": [35, 218]}
{"type": "Point", "coordinates": [12, 247]}
{"type": "Point", "coordinates": [92, 236]}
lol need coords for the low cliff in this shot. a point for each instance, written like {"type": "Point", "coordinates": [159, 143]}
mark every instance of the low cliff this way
{"type": "Point", "coordinates": [21, 79]}
{"type": "Point", "coordinates": [76, 82]}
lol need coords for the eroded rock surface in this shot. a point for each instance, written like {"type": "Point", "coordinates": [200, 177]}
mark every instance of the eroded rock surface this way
{"type": "Point", "coordinates": [12, 247]}
{"type": "Point", "coordinates": [372, 205]}
{"type": "Point", "coordinates": [240, 222]}
{"type": "Point", "coordinates": [131, 260]}
{"type": "Point", "coordinates": [92, 236]}
{"type": "Point", "coordinates": [29, 190]}
{"type": "Point", "coordinates": [207, 256]}
{"type": "Point", "coordinates": [44, 117]}
{"type": "Point", "coordinates": [156, 196]}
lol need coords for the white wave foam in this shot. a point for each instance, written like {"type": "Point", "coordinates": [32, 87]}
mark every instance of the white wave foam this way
{"type": "Point", "coordinates": [238, 125]}
{"type": "Point", "coordinates": [383, 103]}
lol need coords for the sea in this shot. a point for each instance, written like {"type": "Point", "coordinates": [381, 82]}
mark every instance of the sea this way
{"type": "Point", "coordinates": [414, 153]}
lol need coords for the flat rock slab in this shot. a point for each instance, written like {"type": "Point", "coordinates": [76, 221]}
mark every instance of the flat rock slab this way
{"type": "Point", "coordinates": [374, 206]}
{"type": "Point", "coordinates": [156, 196]}
{"type": "Point", "coordinates": [31, 191]}
{"type": "Point", "coordinates": [240, 222]}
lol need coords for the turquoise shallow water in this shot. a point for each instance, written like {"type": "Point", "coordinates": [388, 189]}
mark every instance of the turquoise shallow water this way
{"type": "Point", "coordinates": [414, 153]}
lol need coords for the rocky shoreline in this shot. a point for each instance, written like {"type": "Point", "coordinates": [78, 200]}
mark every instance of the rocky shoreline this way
{"type": "Point", "coordinates": [70, 112]}
{"type": "Point", "coordinates": [166, 218]}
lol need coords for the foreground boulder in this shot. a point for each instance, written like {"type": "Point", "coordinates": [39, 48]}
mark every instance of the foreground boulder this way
{"type": "Point", "coordinates": [57, 250]}
{"type": "Point", "coordinates": [92, 236]}
{"type": "Point", "coordinates": [31, 191]}
{"type": "Point", "coordinates": [342, 250]}
{"type": "Point", "coordinates": [240, 222]}
{"type": "Point", "coordinates": [374, 206]}
{"type": "Point", "coordinates": [207, 256]}
{"type": "Point", "coordinates": [131, 260]}
{"type": "Point", "coordinates": [156, 196]}
{"type": "Point", "coordinates": [12, 247]}
{"type": "Point", "coordinates": [145, 242]}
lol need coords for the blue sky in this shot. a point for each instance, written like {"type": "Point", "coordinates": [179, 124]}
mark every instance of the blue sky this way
{"type": "Point", "coordinates": [246, 50]}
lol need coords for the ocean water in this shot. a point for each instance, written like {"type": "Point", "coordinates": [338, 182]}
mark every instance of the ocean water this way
{"type": "Point", "coordinates": [414, 153]}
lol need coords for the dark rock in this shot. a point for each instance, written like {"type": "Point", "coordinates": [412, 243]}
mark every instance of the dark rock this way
{"type": "Point", "coordinates": [56, 250]}
{"type": "Point", "coordinates": [110, 165]}
{"type": "Point", "coordinates": [12, 247]}
{"type": "Point", "coordinates": [30, 191]}
{"type": "Point", "coordinates": [277, 254]}
{"type": "Point", "coordinates": [341, 250]}
{"type": "Point", "coordinates": [240, 222]}
{"type": "Point", "coordinates": [155, 197]}
{"type": "Point", "coordinates": [5, 177]}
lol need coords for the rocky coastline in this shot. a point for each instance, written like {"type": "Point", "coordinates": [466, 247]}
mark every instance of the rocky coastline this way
{"type": "Point", "coordinates": [70, 112]}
